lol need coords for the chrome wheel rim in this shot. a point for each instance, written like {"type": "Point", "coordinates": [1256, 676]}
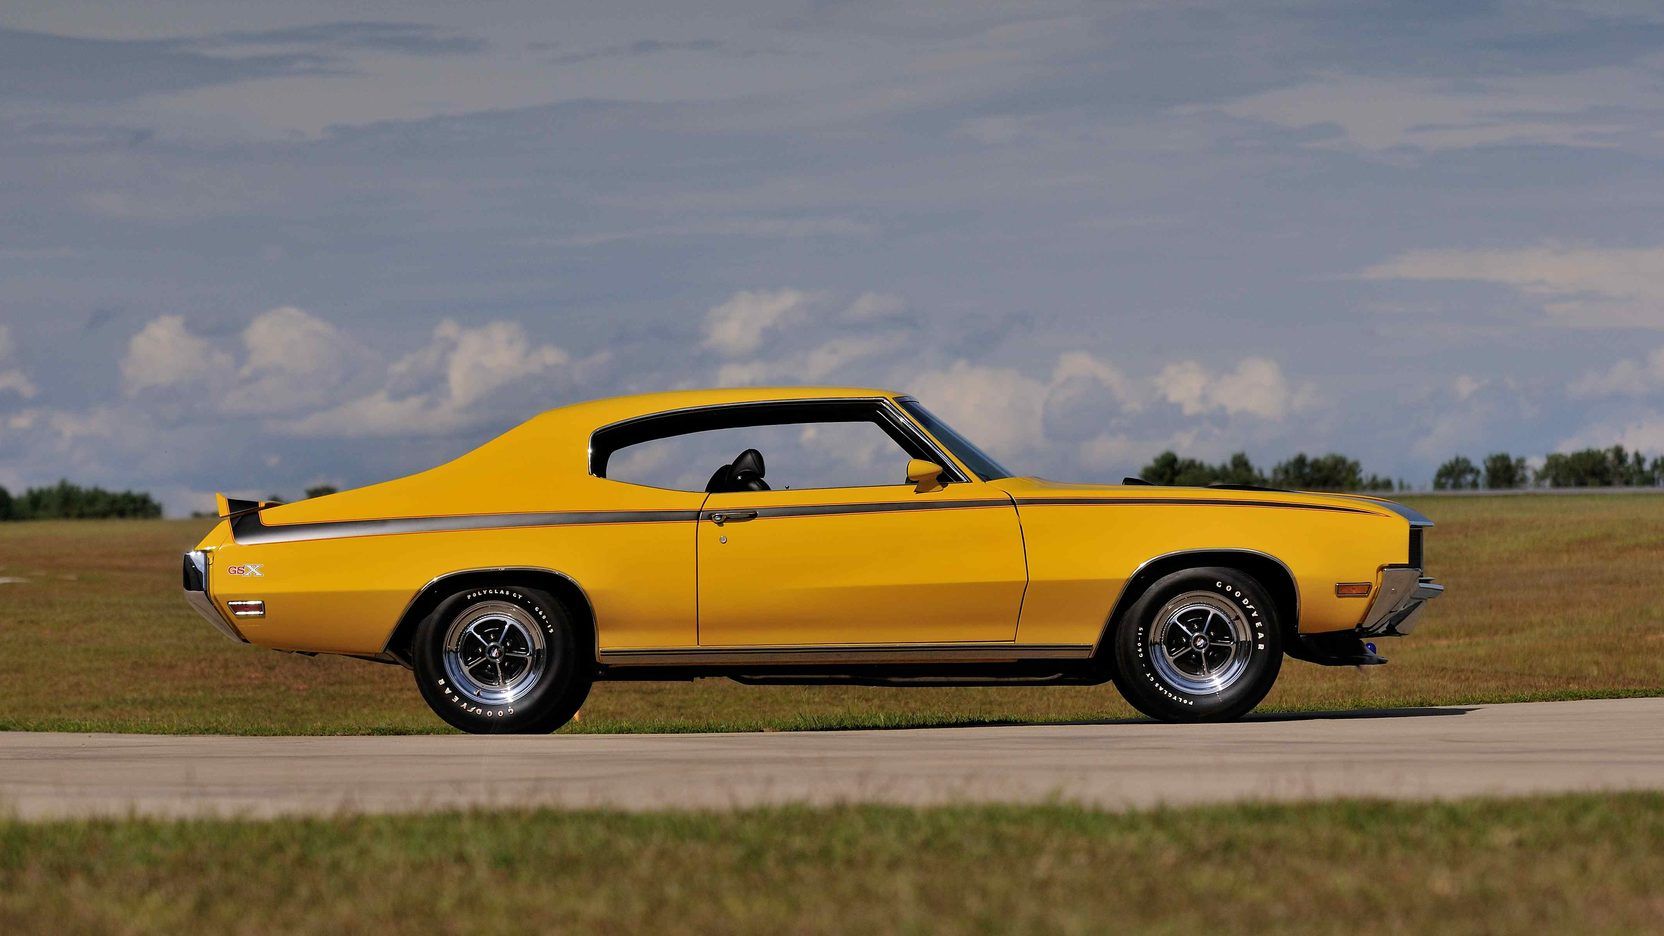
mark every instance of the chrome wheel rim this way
{"type": "Point", "coordinates": [1200, 643]}
{"type": "Point", "coordinates": [494, 653]}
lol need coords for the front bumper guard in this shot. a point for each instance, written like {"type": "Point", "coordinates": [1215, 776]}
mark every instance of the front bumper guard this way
{"type": "Point", "coordinates": [196, 595]}
{"type": "Point", "coordinates": [1403, 592]}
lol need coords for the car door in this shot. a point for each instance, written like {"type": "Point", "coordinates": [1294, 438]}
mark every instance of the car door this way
{"type": "Point", "coordinates": [860, 566]}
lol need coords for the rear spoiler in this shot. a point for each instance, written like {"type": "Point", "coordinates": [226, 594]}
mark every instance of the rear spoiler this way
{"type": "Point", "coordinates": [231, 507]}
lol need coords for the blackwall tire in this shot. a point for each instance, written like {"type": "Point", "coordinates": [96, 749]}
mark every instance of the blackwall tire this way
{"type": "Point", "coordinates": [502, 660]}
{"type": "Point", "coordinates": [1198, 645]}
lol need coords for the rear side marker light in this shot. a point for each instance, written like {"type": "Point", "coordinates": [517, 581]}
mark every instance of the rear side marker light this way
{"type": "Point", "coordinates": [1353, 590]}
{"type": "Point", "coordinates": [247, 609]}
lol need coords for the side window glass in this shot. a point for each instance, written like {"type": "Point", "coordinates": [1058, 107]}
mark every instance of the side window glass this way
{"type": "Point", "coordinates": [796, 456]}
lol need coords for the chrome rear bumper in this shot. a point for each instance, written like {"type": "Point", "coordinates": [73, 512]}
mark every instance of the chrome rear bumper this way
{"type": "Point", "coordinates": [196, 595]}
{"type": "Point", "coordinates": [1403, 592]}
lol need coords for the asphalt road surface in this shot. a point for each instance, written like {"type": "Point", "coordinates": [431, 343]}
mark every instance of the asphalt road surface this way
{"type": "Point", "coordinates": [1413, 753]}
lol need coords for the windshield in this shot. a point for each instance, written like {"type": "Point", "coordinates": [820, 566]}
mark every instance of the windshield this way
{"type": "Point", "coordinates": [981, 463]}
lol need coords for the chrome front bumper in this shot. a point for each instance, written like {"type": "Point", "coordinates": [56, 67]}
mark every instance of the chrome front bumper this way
{"type": "Point", "coordinates": [1403, 592]}
{"type": "Point", "coordinates": [196, 595]}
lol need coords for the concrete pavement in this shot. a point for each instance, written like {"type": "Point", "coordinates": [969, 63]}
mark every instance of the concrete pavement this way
{"type": "Point", "coordinates": [1416, 753]}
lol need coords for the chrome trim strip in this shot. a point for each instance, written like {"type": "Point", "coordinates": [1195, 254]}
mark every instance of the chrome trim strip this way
{"type": "Point", "coordinates": [823, 510]}
{"type": "Point", "coordinates": [704, 407]}
{"type": "Point", "coordinates": [962, 474]}
{"type": "Point", "coordinates": [896, 416]}
{"type": "Point", "coordinates": [776, 655]}
{"type": "Point", "coordinates": [1178, 501]}
{"type": "Point", "coordinates": [203, 603]}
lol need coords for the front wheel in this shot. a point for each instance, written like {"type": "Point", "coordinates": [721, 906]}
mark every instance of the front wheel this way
{"type": "Point", "coordinates": [1198, 645]}
{"type": "Point", "coordinates": [501, 660]}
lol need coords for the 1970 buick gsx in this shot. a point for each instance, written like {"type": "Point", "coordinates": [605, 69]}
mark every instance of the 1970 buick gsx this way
{"type": "Point", "coordinates": [644, 538]}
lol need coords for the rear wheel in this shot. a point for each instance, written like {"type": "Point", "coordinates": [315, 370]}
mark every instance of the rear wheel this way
{"type": "Point", "coordinates": [1199, 645]}
{"type": "Point", "coordinates": [501, 660]}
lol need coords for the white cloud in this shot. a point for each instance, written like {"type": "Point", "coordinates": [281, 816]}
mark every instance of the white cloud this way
{"type": "Point", "coordinates": [1457, 418]}
{"type": "Point", "coordinates": [835, 356]}
{"type": "Point", "coordinates": [1256, 387]}
{"type": "Point", "coordinates": [818, 342]}
{"type": "Point", "coordinates": [378, 415]}
{"type": "Point", "coordinates": [1466, 385]}
{"type": "Point", "coordinates": [999, 407]}
{"type": "Point", "coordinates": [1628, 377]}
{"type": "Point", "coordinates": [845, 447]}
{"type": "Point", "coordinates": [771, 228]}
{"type": "Point", "coordinates": [445, 386]}
{"type": "Point", "coordinates": [1452, 429]}
{"type": "Point", "coordinates": [1079, 365]}
{"type": "Point", "coordinates": [1380, 114]}
{"type": "Point", "coordinates": [1013, 414]}
{"type": "Point", "coordinates": [482, 360]}
{"type": "Point", "coordinates": [166, 354]}
{"type": "Point", "coordinates": [1088, 413]}
{"type": "Point", "coordinates": [293, 360]}
{"type": "Point", "coordinates": [1185, 384]}
{"type": "Point", "coordinates": [1642, 434]}
{"type": "Point", "coordinates": [739, 325]}
{"type": "Point", "coordinates": [868, 306]}
{"type": "Point", "coordinates": [1127, 451]}
{"type": "Point", "coordinates": [1081, 412]}
{"type": "Point", "coordinates": [1083, 394]}
{"type": "Point", "coordinates": [306, 377]}
{"type": "Point", "coordinates": [1587, 286]}
{"type": "Point", "coordinates": [13, 379]}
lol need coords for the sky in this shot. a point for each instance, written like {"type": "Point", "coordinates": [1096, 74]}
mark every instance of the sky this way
{"type": "Point", "coordinates": [254, 247]}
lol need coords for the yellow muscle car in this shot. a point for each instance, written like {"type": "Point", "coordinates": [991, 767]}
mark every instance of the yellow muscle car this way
{"type": "Point", "coordinates": [620, 539]}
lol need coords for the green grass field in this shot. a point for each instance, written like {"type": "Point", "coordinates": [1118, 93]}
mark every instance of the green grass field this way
{"type": "Point", "coordinates": [1550, 597]}
{"type": "Point", "coordinates": [1553, 864]}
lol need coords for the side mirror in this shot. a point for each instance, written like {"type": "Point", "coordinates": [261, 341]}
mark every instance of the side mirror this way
{"type": "Point", "coordinates": [925, 476]}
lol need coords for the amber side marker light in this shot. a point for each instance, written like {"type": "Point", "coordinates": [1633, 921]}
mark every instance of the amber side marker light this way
{"type": "Point", "coordinates": [1353, 590]}
{"type": "Point", "coordinates": [247, 609]}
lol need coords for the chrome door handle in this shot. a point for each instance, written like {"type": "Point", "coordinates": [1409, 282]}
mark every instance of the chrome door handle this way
{"type": "Point", "coordinates": [733, 516]}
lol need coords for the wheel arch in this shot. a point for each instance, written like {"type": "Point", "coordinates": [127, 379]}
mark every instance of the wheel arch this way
{"type": "Point", "coordinates": [1267, 569]}
{"type": "Point", "coordinates": [434, 593]}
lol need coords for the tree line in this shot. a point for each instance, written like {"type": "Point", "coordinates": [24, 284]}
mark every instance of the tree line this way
{"type": "Point", "coordinates": [1500, 471]}
{"type": "Point", "coordinates": [65, 501]}
{"type": "Point", "coordinates": [1591, 467]}
{"type": "Point", "coordinates": [1331, 472]}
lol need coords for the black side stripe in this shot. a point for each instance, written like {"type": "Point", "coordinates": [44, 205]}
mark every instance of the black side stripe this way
{"type": "Point", "coordinates": [250, 529]}
{"type": "Point", "coordinates": [1178, 501]}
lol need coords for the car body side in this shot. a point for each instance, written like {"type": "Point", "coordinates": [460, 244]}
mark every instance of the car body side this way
{"type": "Point", "coordinates": [341, 573]}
